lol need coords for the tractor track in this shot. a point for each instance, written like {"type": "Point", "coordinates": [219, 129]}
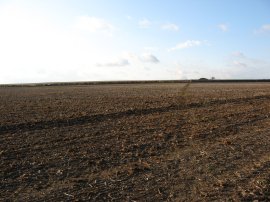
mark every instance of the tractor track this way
{"type": "Point", "coordinates": [40, 125]}
{"type": "Point", "coordinates": [209, 144]}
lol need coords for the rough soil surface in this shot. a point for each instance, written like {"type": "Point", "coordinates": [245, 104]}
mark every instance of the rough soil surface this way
{"type": "Point", "coordinates": [143, 142]}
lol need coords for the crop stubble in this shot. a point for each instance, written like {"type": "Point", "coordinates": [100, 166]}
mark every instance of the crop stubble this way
{"type": "Point", "coordinates": [135, 142]}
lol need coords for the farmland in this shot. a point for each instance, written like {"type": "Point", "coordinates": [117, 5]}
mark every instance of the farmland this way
{"type": "Point", "coordinates": [135, 142]}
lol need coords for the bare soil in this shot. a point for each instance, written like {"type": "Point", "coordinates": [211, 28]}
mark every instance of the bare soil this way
{"type": "Point", "coordinates": [135, 142]}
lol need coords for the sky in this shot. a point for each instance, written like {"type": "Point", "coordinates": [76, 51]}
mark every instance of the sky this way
{"type": "Point", "coordinates": [105, 40]}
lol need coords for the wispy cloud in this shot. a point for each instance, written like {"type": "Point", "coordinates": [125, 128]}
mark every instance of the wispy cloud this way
{"type": "Point", "coordinates": [239, 64]}
{"type": "Point", "coordinates": [238, 54]}
{"type": "Point", "coordinates": [145, 23]}
{"type": "Point", "coordinates": [147, 57]}
{"type": "Point", "coordinates": [263, 29]}
{"type": "Point", "coordinates": [186, 44]}
{"type": "Point", "coordinates": [239, 60]}
{"type": "Point", "coordinates": [266, 27]}
{"type": "Point", "coordinates": [117, 63]}
{"type": "Point", "coordinates": [223, 27]}
{"type": "Point", "coordinates": [170, 27]}
{"type": "Point", "coordinates": [242, 66]}
{"type": "Point", "coordinates": [149, 49]}
{"type": "Point", "coordinates": [93, 24]}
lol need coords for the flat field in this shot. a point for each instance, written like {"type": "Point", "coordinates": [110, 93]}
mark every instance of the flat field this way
{"type": "Point", "coordinates": [135, 142]}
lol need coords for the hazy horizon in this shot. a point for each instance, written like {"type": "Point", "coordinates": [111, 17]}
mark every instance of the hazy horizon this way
{"type": "Point", "coordinates": [65, 41]}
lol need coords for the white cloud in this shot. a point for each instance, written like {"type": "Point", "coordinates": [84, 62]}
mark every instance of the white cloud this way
{"type": "Point", "coordinates": [145, 23]}
{"type": "Point", "coordinates": [223, 27]}
{"type": "Point", "coordinates": [117, 63]}
{"type": "Point", "coordinates": [93, 24]}
{"type": "Point", "coordinates": [170, 27]}
{"type": "Point", "coordinates": [186, 44]}
{"type": "Point", "coordinates": [147, 57]}
{"type": "Point", "coordinates": [263, 29]}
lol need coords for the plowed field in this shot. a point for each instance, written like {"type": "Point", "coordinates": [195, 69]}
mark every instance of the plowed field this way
{"type": "Point", "coordinates": [135, 142]}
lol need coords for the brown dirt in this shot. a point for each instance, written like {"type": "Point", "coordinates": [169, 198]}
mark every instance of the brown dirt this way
{"type": "Point", "coordinates": [135, 142]}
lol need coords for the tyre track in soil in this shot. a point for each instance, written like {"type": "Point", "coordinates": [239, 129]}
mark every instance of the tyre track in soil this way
{"type": "Point", "coordinates": [254, 119]}
{"type": "Point", "coordinates": [221, 131]}
{"type": "Point", "coordinates": [101, 189]}
{"type": "Point", "coordinates": [200, 142]}
{"type": "Point", "coordinates": [223, 190]}
{"type": "Point", "coordinates": [232, 127]}
{"type": "Point", "coordinates": [158, 172]}
{"type": "Point", "coordinates": [30, 126]}
{"type": "Point", "coordinates": [130, 162]}
{"type": "Point", "coordinates": [245, 136]}
{"type": "Point", "coordinates": [75, 139]}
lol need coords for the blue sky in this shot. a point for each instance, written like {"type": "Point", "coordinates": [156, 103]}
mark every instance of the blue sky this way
{"type": "Point", "coordinates": [64, 40]}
